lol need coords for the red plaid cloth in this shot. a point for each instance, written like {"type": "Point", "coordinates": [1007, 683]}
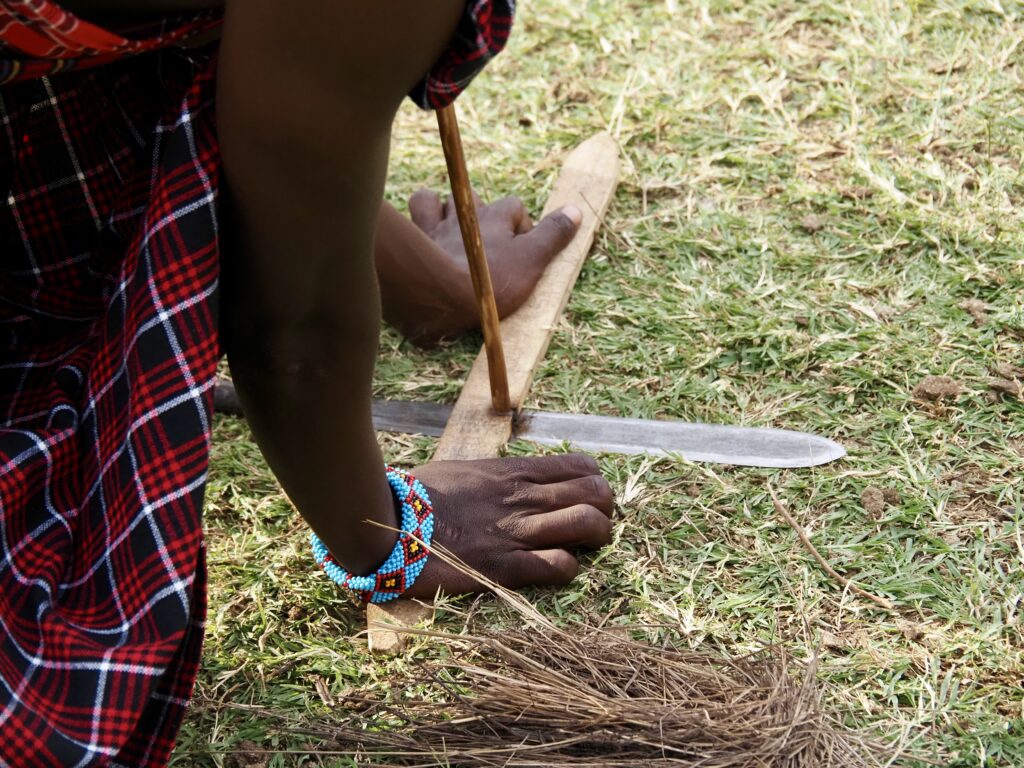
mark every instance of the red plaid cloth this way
{"type": "Point", "coordinates": [481, 35]}
{"type": "Point", "coordinates": [108, 350]}
{"type": "Point", "coordinates": [38, 38]}
{"type": "Point", "coordinates": [108, 342]}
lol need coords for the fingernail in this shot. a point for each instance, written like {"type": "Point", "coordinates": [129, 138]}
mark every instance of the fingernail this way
{"type": "Point", "coordinates": [574, 214]}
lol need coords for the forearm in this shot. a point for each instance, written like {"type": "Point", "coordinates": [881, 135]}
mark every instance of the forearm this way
{"type": "Point", "coordinates": [304, 370]}
{"type": "Point", "coordinates": [305, 130]}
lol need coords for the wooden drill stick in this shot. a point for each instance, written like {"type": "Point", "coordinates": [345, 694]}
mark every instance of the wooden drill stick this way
{"type": "Point", "coordinates": [465, 208]}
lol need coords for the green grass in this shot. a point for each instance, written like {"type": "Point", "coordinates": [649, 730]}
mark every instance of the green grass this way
{"type": "Point", "coordinates": [811, 190]}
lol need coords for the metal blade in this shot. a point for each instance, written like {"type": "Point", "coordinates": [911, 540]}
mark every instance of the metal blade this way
{"type": "Point", "coordinates": [742, 446]}
{"type": "Point", "coordinates": [719, 443]}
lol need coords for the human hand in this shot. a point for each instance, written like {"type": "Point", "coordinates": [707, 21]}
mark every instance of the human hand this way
{"type": "Point", "coordinates": [517, 251]}
{"type": "Point", "coordinates": [513, 520]}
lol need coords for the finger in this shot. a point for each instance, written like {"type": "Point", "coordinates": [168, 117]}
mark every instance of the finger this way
{"type": "Point", "coordinates": [578, 526]}
{"type": "Point", "coordinates": [552, 233]}
{"type": "Point", "coordinates": [449, 204]}
{"type": "Point", "coordinates": [425, 209]}
{"type": "Point", "coordinates": [539, 567]}
{"type": "Point", "coordinates": [511, 211]}
{"type": "Point", "coordinates": [592, 490]}
{"type": "Point", "coordinates": [551, 469]}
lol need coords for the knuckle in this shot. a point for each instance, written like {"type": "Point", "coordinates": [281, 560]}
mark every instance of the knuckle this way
{"type": "Point", "coordinates": [518, 492]}
{"type": "Point", "coordinates": [534, 468]}
{"type": "Point", "coordinates": [595, 521]}
{"type": "Point", "coordinates": [587, 464]}
{"type": "Point", "coordinates": [510, 471]}
{"type": "Point", "coordinates": [573, 519]}
{"type": "Point", "coordinates": [567, 568]}
{"type": "Point", "coordinates": [587, 516]}
{"type": "Point", "coordinates": [516, 528]}
{"type": "Point", "coordinates": [513, 204]}
{"type": "Point", "coordinates": [423, 196]}
{"type": "Point", "coordinates": [513, 467]}
{"type": "Point", "coordinates": [497, 567]}
{"type": "Point", "coordinates": [602, 489]}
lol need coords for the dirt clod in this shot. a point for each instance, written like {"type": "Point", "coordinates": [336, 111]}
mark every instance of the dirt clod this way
{"type": "Point", "coordinates": [832, 642]}
{"type": "Point", "coordinates": [975, 308]}
{"type": "Point", "coordinates": [937, 387]}
{"type": "Point", "coordinates": [1008, 371]}
{"type": "Point", "coordinates": [1011, 387]}
{"type": "Point", "coordinates": [812, 222]}
{"type": "Point", "coordinates": [1009, 380]}
{"type": "Point", "coordinates": [911, 632]}
{"type": "Point", "coordinates": [892, 496]}
{"type": "Point", "coordinates": [692, 491]}
{"type": "Point", "coordinates": [247, 754]}
{"type": "Point", "coordinates": [873, 500]}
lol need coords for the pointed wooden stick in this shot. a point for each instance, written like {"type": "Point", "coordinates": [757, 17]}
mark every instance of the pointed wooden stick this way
{"type": "Point", "coordinates": [462, 194]}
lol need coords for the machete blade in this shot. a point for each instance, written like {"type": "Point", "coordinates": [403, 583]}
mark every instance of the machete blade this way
{"type": "Point", "coordinates": [742, 446]}
{"type": "Point", "coordinates": [717, 443]}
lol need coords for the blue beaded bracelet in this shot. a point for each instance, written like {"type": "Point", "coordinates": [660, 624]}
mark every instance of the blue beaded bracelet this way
{"type": "Point", "coordinates": [407, 559]}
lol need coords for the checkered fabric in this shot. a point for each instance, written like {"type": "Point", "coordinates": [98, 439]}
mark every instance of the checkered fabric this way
{"type": "Point", "coordinates": [481, 35]}
{"type": "Point", "coordinates": [43, 39]}
{"type": "Point", "coordinates": [108, 350]}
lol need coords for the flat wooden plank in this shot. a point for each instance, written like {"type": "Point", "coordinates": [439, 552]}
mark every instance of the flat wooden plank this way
{"type": "Point", "coordinates": [474, 430]}
{"type": "Point", "coordinates": [588, 181]}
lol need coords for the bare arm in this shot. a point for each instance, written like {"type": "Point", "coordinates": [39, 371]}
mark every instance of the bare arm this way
{"type": "Point", "coordinates": [306, 97]}
{"type": "Point", "coordinates": [305, 137]}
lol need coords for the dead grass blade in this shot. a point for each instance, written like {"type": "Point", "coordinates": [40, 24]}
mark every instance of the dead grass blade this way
{"type": "Point", "coordinates": [541, 695]}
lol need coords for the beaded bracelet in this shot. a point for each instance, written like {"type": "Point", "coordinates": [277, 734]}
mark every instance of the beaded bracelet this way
{"type": "Point", "coordinates": [407, 559]}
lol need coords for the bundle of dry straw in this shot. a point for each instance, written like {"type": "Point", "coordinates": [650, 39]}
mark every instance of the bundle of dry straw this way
{"type": "Point", "coordinates": [583, 696]}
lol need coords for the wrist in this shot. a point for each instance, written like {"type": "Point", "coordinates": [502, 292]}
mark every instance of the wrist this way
{"type": "Point", "coordinates": [377, 538]}
{"type": "Point", "coordinates": [408, 554]}
{"type": "Point", "coordinates": [361, 531]}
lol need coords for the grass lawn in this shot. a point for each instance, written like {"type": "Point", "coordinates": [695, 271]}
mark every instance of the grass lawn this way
{"type": "Point", "coordinates": [821, 205]}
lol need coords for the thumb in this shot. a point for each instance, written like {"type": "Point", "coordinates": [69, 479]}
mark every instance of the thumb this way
{"type": "Point", "coordinates": [552, 233]}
